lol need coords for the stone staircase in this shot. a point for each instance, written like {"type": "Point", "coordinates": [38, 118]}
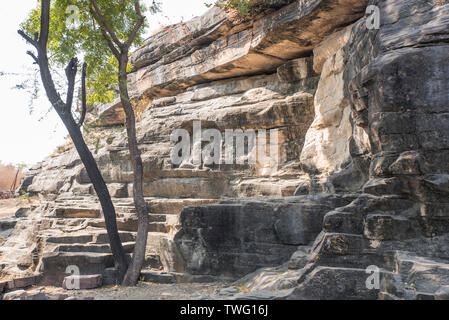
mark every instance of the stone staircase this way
{"type": "Point", "coordinates": [81, 239]}
{"type": "Point", "coordinates": [87, 251]}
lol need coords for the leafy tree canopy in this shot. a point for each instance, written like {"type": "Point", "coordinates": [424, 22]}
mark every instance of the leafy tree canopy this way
{"type": "Point", "coordinates": [250, 7]}
{"type": "Point", "coordinates": [74, 32]}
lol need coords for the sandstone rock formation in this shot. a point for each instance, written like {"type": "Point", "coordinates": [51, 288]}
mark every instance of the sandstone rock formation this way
{"type": "Point", "coordinates": [360, 190]}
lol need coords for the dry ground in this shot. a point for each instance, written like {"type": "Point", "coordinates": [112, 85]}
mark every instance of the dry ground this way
{"type": "Point", "coordinates": [7, 176]}
{"type": "Point", "coordinates": [143, 291]}
{"type": "Point", "coordinates": [9, 207]}
{"type": "Point", "coordinates": [155, 291]}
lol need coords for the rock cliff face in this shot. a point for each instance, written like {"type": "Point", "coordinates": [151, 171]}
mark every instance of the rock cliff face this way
{"type": "Point", "coordinates": [357, 178]}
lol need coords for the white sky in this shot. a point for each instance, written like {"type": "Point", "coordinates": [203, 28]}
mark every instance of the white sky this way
{"type": "Point", "coordinates": [23, 138]}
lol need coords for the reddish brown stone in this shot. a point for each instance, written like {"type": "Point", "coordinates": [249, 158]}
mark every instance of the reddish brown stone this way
{"type": "Point", "coordinates": [82, 282]}
{"type": "Point", "coordinates": [25, 282]}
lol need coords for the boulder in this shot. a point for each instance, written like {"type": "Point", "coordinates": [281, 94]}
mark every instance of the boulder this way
{"type": "Point", "coordinates": [82, 282]}
{"type": "Point", "coordinates": [22, 212]}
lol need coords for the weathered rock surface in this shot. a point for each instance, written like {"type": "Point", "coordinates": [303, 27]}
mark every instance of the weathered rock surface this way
{"type": "Point", "coordinates": [234, 238]}
{"type": "Point", "coordinates": [6, 228]}
{"type": "Point", "coordinates": [82, 282]}
{"type": "Point", "coordinates": [396, 84]}
{"type": "Point", "coordinates": [220, 50]}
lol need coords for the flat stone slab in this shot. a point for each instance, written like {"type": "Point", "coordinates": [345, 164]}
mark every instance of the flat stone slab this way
{"type": "Point", "coordinates": [82, 282]}
{"type": "Point", "coordinates": [33, 295]}
{"type": "Point", "coordinates": [262, 295]}
{"type": "Point", "coordinates": [7, 224]}
{"type": "Point", "coordinates": [20, 283]}
{"type": "Point", "coordinates": [15, 295]}
{"type": "Point", "coordinates": [71, 239]}
{"type": "Point", "coordinates": [80, 299]}
{"type": "Point", "coordinates": [157, 277]}
{"type": "Point", "coordinates": [78, 212]}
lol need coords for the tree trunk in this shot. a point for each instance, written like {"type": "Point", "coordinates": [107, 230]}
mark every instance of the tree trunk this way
{"type": "Point", "coordinates": [64, 111]}
{"type": "Point", "coordinates": [134, 269]}
{"type": "Point", "coordinates": [103, 195]}
{"type": "Point", "coordinates": [90, 164]}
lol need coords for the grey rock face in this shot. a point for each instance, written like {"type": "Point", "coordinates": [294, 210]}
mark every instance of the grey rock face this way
{"type": "Point", "coordinates": [237, 237]}
{"type": "Point", "coordinates": [6, 229]}
{"type": "Point", "coordinates": [396, 86]}
{"type": "Point", "coordinates": [221, 50]}
{"type": "Point", "coordinates": [298, 260]}
{"type": "Point", "coordinates": [254, 103]}
{"type": "Point", "coordinates": [22, 212]}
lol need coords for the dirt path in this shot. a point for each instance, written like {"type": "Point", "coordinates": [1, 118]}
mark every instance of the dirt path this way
{"type": "Point", "coordinates": [9, 207]}
{"type": "Point", "coordinates": [144, 291]}
{"type": "Point", "coordinates": [153, 291]}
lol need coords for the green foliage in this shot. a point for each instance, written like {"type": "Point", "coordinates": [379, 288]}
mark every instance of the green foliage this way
{"type": "Point", "coordinates": [73, 32]}
{"type": "Point", "coordinates": [24, 195]}
{"type": "Point", "coordinates": [250, 7]}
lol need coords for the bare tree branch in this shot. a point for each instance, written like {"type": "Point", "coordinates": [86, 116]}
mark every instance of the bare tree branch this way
{"type": "Point", "coordinates": [138, 25]}
{"type": "Point", "coordinates": [70, 71]}
{"type": "Point", "coordinates": [28, 38]}
{"type": "Point", "coordinates": [42, 58]}
{"type": "Point", "coordinates": [83, 96]}
{"type": "Point", "coordinates": [104, 23]}
{"type": "Point", "coordinates": [111, 46]}
{"type": "Point", "coordinates": [32, 55]}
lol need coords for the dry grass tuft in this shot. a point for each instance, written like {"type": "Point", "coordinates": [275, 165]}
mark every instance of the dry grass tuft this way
{"type": "Point", "coordinates": [61, 149]}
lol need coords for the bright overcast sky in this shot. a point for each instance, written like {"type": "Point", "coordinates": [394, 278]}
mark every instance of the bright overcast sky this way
{"type": "Point", "coordinates": [29, 138]}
